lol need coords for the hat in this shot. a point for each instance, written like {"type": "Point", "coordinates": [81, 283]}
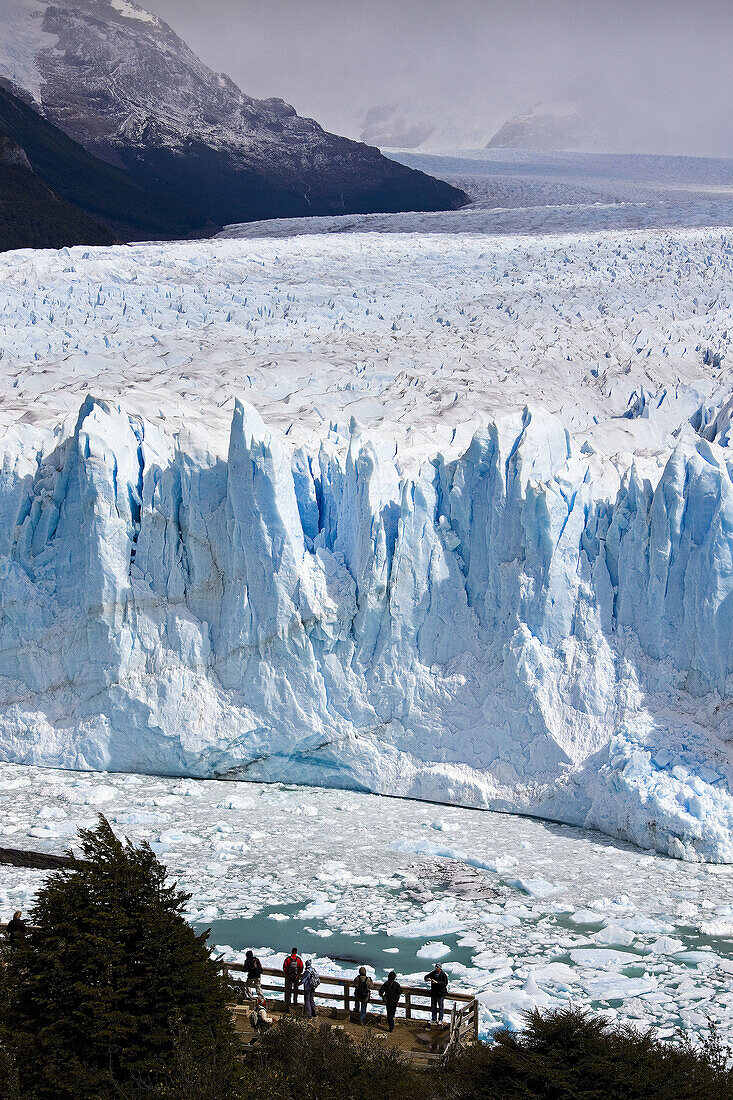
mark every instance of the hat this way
{"type": "Point", "coordinates": [307, 963]}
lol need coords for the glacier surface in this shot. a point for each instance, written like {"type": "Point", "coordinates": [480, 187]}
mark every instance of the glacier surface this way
{"type": "Point", "coordinates": [438, 515]}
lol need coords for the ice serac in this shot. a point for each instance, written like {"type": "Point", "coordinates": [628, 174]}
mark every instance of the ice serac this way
{"type": "Point", "coordinates": [520, 627]}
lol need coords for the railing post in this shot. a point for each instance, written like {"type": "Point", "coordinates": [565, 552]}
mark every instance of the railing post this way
{"type": "Point", "coordinates": [347, 999]}
{"type": "Point", "coordinates": [408, 1007]}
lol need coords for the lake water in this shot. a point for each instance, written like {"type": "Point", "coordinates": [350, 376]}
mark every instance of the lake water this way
{"type": "Point", "coordinates": [524, 913]}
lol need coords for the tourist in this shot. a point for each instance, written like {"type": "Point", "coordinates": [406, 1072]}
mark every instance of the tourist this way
{"type": "Point", "coordinates": [438, 988]}
{"type": "Point", "coordinates": [258, 1018]}
{"type": "Point", "coordinates": [362, 988]}
{"type": "Point", "coordinates": [253, 980]}
{"type": "Point", "coordinates": [16, 929]}
{"type": "Point", "coordinates": [292, 969]}
{"type": "Point", "coordinates": [390, 992]}
{"type": "Point", "coordinates": [310, 982]}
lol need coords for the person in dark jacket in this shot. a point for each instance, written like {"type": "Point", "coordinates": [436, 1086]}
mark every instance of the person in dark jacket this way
{"type": "Point", "coordinates": [292, 969]}
{"type": "Point", "coordinates": [253, 980]}
{"type": "Point", "coordinates": [309, 981]}
{"type": "Point", "coordinates": [15, 930]}
{"type": "Point", "coordinates": [390, 992]}
{"type": "Point", "coordinates": [362, 991]}
{"type": "Point", "coordinates": [438, 988]}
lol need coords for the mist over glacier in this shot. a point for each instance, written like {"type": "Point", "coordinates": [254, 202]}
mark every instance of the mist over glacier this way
{"type": "Point", "coordinates": [429, 514]}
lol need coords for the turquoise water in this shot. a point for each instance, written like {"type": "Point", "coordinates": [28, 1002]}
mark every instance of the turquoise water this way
{"type": "Point", "coordinates": [346, 950]}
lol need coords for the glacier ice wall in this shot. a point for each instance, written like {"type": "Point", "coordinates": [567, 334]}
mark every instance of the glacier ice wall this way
{"type": "Point", "coordinates": [516, 628]}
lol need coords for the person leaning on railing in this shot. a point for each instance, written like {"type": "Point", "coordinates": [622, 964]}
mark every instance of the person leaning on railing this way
{"type": "Point", "coordinates": [438, 988]}
{"type": "Point", "coordinates": [390, 992]}
{"type": "Point", "coordinates": [292, 969]}
{"type": "Point", "coordinates": [363, 986]}
{"type": "Point", "coordinates": [253, 971]}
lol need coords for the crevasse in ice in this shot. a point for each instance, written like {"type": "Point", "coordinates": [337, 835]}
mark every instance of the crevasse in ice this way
{"type": "Point", "coordinates": [509, 628]}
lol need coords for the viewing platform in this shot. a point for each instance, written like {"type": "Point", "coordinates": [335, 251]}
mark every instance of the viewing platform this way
{"type": "Point", "coordinates": [334, 998]}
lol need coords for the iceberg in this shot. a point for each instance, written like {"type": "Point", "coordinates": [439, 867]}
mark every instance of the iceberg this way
{"type": "Point", "coordinates": [520, 626]}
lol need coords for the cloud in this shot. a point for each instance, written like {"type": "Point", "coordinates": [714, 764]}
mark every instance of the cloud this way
{"type": "Point", "coordinates": [655, 75]}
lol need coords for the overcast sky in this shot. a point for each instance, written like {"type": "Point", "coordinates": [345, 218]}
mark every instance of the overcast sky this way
{"type": "Point", "coordinates": [657, 75]}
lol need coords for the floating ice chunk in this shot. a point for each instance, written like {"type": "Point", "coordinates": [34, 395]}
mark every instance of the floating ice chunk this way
{"type": "Point", "coordinates": [438, 923]}
{"type": "Point", "coordinates": [666, 945]}
{"type": "Point", "coordinates": [535, 887]}
{"type": "Point", "coordinates": [617, 987]}
{"type": "Point", "coordinates": [433, 951]}
{"type": "Point", "coordinates": [614, 934]}
{"type": "Point", "coordinates": [599, 958]}
{"type": "Point", "coordinates": [179, 838]}
{"type": "Point", "coordinates": [586, 916]}
{"type": "Point", "coordinates": [139, 817]}
{"type": "Point", "coordinates": [320, 908]}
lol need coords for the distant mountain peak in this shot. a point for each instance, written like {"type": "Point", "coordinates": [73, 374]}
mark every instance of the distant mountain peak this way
{"type": "Point", "coordinates": [124, 85]}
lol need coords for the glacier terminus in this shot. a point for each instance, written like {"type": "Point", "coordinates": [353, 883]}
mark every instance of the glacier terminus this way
{"type": "Point", "coordinates": [342, 575]}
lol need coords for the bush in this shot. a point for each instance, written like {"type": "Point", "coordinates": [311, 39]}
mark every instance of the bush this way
{"type": "Point", "coordinates": [298, 1061]}
{"type": "Point", "coordinates": [113, 994]}
{"type": "Point", "coordinates": [571, 1054]}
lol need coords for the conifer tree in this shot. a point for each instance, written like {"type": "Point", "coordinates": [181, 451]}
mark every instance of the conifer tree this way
{"type": "Point", "coordinates": [113, 992]}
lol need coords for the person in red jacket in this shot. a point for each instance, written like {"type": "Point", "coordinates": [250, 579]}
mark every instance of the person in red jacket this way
{"type": "Point", "coordinates": [292, 969]}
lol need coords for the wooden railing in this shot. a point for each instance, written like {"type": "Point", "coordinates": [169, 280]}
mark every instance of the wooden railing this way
{"type": "Point", "coordinates": [339, 992]}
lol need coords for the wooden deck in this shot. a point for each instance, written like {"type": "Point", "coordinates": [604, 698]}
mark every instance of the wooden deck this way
{"type": "Point", "coordinates": [424, 1043]}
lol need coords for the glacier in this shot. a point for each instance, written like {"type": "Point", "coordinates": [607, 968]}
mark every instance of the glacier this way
{"type": "Point", "coordinates": [432, 506]}
{"type": "Point", "coordinates": [500, 630]}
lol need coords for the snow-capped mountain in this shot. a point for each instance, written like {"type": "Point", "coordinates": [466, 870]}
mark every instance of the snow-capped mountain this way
{"type": "Point", "coordinates": [547, 126]}
{"type": "Point", "coordinates": [405, 125]}
{"type": "Point", "coordinates": [120, 82]}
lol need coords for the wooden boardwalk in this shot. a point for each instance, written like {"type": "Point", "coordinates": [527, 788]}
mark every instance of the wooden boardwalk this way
{"type": "Point", "coordinates": [425, 1045]}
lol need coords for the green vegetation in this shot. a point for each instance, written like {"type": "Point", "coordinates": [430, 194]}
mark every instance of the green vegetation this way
{"type": "Point", "coordinates": [113, 995]}
{"type": "Point", "coordinates": [31, 216]}
{"type": "Point", "coordinates": [561, 1056]}
{"type": "Point", "coordinates": [133, 211]}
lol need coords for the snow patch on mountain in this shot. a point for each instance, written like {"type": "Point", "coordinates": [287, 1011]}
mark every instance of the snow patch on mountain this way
{"type": "Point", "coordinates": [132, 11]}
{"type": "Point", "coordinates": [23, 38]}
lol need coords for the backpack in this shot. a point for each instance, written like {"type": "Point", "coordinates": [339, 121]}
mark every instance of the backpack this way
{"type": "Point", "coordinates": [315, 980]}
{"type": "Point", "coordinates": [292, 969]}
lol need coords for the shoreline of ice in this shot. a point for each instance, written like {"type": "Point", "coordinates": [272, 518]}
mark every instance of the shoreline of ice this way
{"type": "Point", "coordinates": [522, 905]}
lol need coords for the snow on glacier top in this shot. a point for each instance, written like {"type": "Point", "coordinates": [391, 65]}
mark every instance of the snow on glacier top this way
{"type": "Point", "coordinates": [422, 334]}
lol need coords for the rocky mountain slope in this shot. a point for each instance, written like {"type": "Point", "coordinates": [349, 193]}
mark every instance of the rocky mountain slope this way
{"type": "Point", "coordinates": [121, 83]}
{"type": "Point", "coordinates": [109, 196]}
{"type": "Point", "coordinates": [562, 125]}
{"type": "Point", "coordinates": [31, 215]}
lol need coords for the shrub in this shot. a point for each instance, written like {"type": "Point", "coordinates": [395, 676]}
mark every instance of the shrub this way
{"type": "Point", "coordinates": [298, 1061]}
{"type": "Point", "coordinates": [571, 1054]}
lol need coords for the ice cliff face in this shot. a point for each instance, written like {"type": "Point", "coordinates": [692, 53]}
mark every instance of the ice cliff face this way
{"type": "Point", "coordinates": [512, 628]}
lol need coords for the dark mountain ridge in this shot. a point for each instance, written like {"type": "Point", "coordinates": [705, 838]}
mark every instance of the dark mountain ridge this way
{"type": "Point", "coordinates": [123, 85]}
